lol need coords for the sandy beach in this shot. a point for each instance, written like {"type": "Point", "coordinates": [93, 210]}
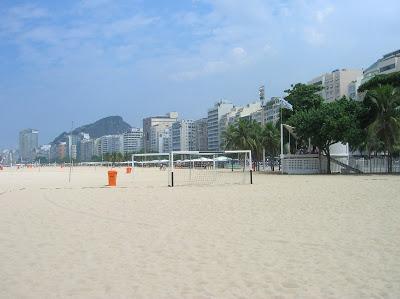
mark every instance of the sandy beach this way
{"type": "Point", "coordinates": [282, 237]}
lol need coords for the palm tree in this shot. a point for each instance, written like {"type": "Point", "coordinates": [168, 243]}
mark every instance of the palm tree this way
{"type": "Point", "coordinates": [385, 100]}
{"type": "Point", "coordinates": [240, 135]}
{"type": "Point", "coordinates": [244, 135]}
{"type": "Point", "coordinates": [270, 141]}
{"type": "Point", "coordinates": [229, 137]}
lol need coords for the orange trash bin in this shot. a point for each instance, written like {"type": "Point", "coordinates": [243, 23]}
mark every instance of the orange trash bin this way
{"type": "Point", "coordinates": [128, 170]}
{"type": "Point", "coordinates": [112, 178]}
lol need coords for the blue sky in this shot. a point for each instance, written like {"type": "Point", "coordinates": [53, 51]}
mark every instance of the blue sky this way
{"type": "Point", "coordinates": [63, 61]}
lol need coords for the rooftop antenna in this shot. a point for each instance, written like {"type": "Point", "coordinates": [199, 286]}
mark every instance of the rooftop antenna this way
{"type": "Point", "coordinates": [261, 93]}
{"type": "Point", "coordinates": [70, 153]}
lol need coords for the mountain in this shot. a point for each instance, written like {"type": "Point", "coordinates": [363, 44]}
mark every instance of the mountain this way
{"type": "Point", "coordinates": [111, 125]}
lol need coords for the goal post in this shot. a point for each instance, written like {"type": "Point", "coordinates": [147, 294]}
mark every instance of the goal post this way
{"type": "Point", "coordinates": [150, 160]}
{"type": "Point", "coordinates": [209, 168]}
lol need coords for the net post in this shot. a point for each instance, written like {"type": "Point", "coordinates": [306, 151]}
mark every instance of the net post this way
{"type": "Point", "coordinates": [171, 167]}
{"type": "Point", "coordinates": [251, 168]}
{"type": "Point", "coordinates": [133, 164]}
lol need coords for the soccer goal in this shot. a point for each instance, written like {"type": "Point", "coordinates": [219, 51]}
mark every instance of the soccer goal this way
{"type": "Point", "coordinates": [209, 168]}
{"type": "Point", "coordinates": [150, 160]}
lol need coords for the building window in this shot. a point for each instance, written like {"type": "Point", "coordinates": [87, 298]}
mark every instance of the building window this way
{"type": "Point", "coordinates": [386, 68]}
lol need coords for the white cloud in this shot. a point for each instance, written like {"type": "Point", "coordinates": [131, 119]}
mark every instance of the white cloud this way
{"type": "Point", "coordinates": [239, 53]}
{"type": "Point", "coordinates": [313, 36]}
{"type": "Point", "coordinates": [322, 14]}
{"type": "Point", "coordinates": [267, 48]}
{"type": "Point", "coordinates": [15, 18]}
{"type": "Point", "coordinates": [234, 58]}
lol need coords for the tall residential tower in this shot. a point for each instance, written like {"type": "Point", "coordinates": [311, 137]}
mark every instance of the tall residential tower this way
{"type": "Point", "coordinates": [28, 144]}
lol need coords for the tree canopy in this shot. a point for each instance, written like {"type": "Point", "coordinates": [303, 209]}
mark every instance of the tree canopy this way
{"type": "Point", "coordinates": [392, 79]}
{"type": "Point", "coordinates": [385, 126]}
{"type": "Point", "coordinates": [304, 96]}
{"type": "Point", "coordinates": [250, 135]}
{"type": "Point", "coordinates": [328, 124]}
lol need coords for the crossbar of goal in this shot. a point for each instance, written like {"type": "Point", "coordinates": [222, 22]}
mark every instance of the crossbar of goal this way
{"type": "Point", "coordinates": [147, 155]}
{"type": "Point", "coordinates": [247, 161]}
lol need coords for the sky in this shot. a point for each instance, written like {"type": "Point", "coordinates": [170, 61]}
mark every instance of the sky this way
{"type": "Point", "coordinates": [81, 60]}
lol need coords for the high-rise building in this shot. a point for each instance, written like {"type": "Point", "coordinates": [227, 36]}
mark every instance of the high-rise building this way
{"type": "Point", "coordinates": [62, 151]}
{"type": "Point", "coordinates": [162, 123]}
{"type": "Point", "coordinates": [335, 84]}
{"type": "Point", "coordinates": [201, 137]}
{"type": "Point", "coordinates": [133, 140]}
{"type": "Point", "coordinates": [72, 143]}
{"type": "Point", "coordinates": [353, 89]}
{"type": "Point", "coordinates": [272, 110]}
{"type": "Point", "coordinates": [389, 63]}
{"type": "Point", "coordinates": [160, 137]}
{"type": "Point", "coordinates": [97, 147]}
{"type": "Point", "coordinates": [44, 152]}
{"type": "Point", "coordinates": [165, 141]}
{"type": "Point", "coordinates": [86, 150]}
{"type": "Point", "coordinates": [111, 144]}
{"type": "Point", "coordinates": [183, 135]}
{"type": "Point", "coordinates": [213, 130]}
{"type": "Point", "coordinates": [237, 113]}
{"type": "Point", "coordinates": [28, 143]}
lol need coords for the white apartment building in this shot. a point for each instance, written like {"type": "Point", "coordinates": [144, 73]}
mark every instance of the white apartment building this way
{"type": "Point", "coordinates": [73, 151]}
{"type": "Point", "coordinates": [183, 135]}
{"type": "Point", "coordinates": [336, 84]}
{"type": "Point", "coordinates": [213, 130]}
{"type": "Point", "coordinates": [160, 138]}
{"type": "Point", "coordinates": [201, 137]}
{"type": "Point", "coordinates": [28, 144]}
{"type": "Point", "coordinates": [389, 63]}
{"type": "Point", "coordinates": [353, 89]}
{"type": "Point", "coordinates": [87, 150]}
{"type": "Point", "coordinates": [111, 144]}
{"type": "Point", "coordinates": [164, 141]}
{"type": "Point", "coordinates": [133, 140]}
{"type": "Point", "coordinates": [162, 123]}
{"type": "Point", "coordinates": [270, 111]}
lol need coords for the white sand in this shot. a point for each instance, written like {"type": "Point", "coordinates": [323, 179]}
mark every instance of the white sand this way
{"type": "Point", "coordinates": [283, 237]}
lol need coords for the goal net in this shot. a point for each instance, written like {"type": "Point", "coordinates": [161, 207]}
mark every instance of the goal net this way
{"type": "Point", "coordinates": [208, 168]}
{"type": "Point", "coordinates": [150, 160]}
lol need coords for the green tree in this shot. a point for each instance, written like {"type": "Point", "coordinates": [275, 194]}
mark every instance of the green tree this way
{"type": "Point", "coordinates": [327, 124]}
{"type": "Point", "coordinates": [127, 156]}
{"type": "Point", "coordinates": [270, 141]}
{"type": "Point", "coordinates": [42, 160]}
{"type": "Point", "coordinates": [304, 96]}
{"type": "Point", "coordinates": [379, 80]}
{"type": "Point", "coordinates": [240, 135]}
{"type": "Point", "coordinates": [244, 135]}
{"type": "Point", "coordinates": [107, 157]}
{"type": "Point", "coordinates": [96, 158]}
{"type": "Point", "coordinates": [385, 100]}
